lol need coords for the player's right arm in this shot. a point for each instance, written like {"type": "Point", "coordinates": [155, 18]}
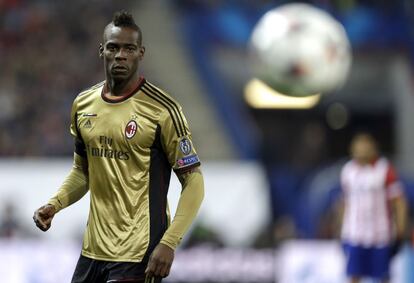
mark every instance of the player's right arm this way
{"type": "Point", "coordinates": [74, 187]}
{"type": "Point", "coordinates": [339, 206]}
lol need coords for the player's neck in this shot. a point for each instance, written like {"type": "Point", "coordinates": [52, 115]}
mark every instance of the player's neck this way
{"type": "Point", "coordinates": [367, 161]}
{"type": "Point", "coordinates": [120, 88]}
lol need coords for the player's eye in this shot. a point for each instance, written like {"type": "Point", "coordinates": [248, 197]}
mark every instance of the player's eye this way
{"type": "Point", "coordinates": [130, 49]}
{"type": "Point", "coordinates": [111, 48]}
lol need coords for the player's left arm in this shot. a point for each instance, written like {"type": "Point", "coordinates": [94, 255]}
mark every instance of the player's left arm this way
{"type": "Point", "coordinates": [190, 201]}
{"type": "Point", "coordinates": [188, 205]}
{"type": "Point", "coordinates": [399, 205]}
{"type": "Point", "coordinates": [398, 202]}
{"type": "Point", "coordinates": [183, 158]}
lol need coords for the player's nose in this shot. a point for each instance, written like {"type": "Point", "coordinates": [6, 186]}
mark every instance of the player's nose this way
{"type": "Point", "coordinates": [121, 54]}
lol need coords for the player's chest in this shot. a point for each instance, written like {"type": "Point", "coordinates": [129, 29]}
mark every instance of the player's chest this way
{"type": "Point", "coordinates": [366, 180]}
{"type": "Point", "coordinates": [117, 125]}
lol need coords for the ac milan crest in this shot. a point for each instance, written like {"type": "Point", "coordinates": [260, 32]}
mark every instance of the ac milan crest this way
{"type": "Point", "coordinates": [131, 129]}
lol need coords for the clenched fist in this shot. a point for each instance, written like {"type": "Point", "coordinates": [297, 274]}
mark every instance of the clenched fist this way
{"type": "Point", "coordinates": [43, 216]}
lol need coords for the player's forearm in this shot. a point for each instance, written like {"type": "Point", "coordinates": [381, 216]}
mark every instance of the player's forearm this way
{"type": "Point", "coordinates": [340, 211]}
{"type": "Point", "coordinates": [188, 206]}
{"type": "Point", "coordinates": [400, 210]}
{"type": "Point", "coordinates": [74, 187]}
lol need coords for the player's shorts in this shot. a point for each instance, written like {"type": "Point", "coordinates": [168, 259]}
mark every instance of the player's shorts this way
{"type": "Point", "coordinates": [367, 262]}
{"type": "Point", "coordinates": [98, 271]}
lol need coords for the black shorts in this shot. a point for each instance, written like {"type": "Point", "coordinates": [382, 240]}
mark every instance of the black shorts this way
{"type": "Point", "coordinates": [98, 271]}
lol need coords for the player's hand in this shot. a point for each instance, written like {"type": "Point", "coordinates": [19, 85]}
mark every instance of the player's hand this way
{"type": "Point", "coordinates": [160, 261]}
{"type": "Point", "coordinates": [43, 216]}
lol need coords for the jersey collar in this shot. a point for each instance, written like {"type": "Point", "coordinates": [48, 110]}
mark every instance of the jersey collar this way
{"type": "Point", "coordinates": [123, 97]}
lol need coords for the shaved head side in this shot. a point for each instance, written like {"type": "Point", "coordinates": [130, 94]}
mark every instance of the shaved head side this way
{"type": "Point", "coordinates": [123, 19]}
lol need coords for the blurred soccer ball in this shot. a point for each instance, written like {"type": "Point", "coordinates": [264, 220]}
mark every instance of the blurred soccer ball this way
{"type": "Point", "coordinates": [300, 50]}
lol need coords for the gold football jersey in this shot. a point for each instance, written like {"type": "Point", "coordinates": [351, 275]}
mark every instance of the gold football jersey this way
{"type": "Point", "coordinates": [131, 144]}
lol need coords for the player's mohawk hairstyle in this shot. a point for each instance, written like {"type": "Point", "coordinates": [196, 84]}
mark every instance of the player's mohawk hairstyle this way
{"type": "Point", "coordinates": [122, 19]}
{"type": "Point", "coordinates": [125, 19]}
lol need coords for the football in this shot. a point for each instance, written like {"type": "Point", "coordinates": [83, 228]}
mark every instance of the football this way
{"type": "Point", "coordinates": [300, 50]}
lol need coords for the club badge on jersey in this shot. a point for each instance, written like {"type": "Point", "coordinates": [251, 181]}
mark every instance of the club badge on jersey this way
{"type": "Point", "coordinates": [131, 129]}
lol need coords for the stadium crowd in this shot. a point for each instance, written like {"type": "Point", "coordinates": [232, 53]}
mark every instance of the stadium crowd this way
{"type": "Point", "coordinates": [42, 73]}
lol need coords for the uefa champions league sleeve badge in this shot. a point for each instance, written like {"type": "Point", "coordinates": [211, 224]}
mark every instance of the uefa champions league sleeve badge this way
{"type": "Point", "coordinates": [185, 146]}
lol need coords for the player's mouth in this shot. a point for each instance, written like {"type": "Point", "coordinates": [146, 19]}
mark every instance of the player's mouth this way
{"type": "Point", "coordinates": [119, 68]}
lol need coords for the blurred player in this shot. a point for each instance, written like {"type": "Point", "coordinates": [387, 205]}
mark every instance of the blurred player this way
{"type": "Point", "coordinates": [128, 135]}
{"type": "Point", "coordinates": [374, 211]}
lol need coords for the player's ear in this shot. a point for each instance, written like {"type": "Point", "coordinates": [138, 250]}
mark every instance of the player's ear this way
{"type": "Point", "coordinates": [141, 52]}
{"type": "Point", "coordinates": [101, 49]}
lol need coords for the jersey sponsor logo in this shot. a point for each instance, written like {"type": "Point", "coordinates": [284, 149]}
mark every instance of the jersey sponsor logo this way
{"type": "Point", "coordinates": [185, 146]}
{"type": "Point", "coordinates": [131, 129]}
{"type": "Point", "coordinates": [108, 153]}
{"type": "Point", "coordinates": [188, 160]}
{"type": "Point", "coordinates": [106, 149]}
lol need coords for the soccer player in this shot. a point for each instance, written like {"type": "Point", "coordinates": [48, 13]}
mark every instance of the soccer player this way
{"type": "Point", "coordinates": [129, 135]}
{"type": "Point", "coordinates": [374, 215]}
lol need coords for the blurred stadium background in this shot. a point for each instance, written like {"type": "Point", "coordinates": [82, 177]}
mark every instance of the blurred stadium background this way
{"type": "Point", "coordinates": [271, 172]}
